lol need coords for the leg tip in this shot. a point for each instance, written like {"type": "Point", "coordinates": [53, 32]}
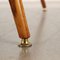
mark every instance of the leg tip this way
{"type": "Point", "coordinates": [25, 43]}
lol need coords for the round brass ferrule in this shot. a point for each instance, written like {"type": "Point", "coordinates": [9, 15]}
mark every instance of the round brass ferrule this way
{"type": "Point", "coordinates": [25, 43]}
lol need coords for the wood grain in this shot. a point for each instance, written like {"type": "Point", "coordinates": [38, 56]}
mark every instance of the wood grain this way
{"type": "Point", "coordinates": [19, 19]}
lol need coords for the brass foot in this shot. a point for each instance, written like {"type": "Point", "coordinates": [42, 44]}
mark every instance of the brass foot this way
{"type": "Point", "coordinates": [25, 43]}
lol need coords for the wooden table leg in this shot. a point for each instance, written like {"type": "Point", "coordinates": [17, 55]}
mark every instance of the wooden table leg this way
{"type": "Point", "coordinates": [26, 25]}
{"type": "Point", "coordinates": [20, 21]}
{"type": "Point", "coordinates": [22, 9]}
{"type": "Point", "coordinates": [43, 3]}
{"type": "Point", "coordinates": [23, 14]}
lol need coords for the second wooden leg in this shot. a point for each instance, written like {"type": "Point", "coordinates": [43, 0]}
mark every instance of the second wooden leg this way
{"type": "Point", "coordinates": [43, 3]}
{"type": "Point", "coordinates": [23, 14]}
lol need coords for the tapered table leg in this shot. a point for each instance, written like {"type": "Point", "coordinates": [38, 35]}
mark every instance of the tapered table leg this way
{"type": "Point", "coordinates": [21, 23]}
{"type": "Point", "coordinates": [24, 17]}
{"type": "Point", "coordinates": [43, 3]}
{"type": "Point", "coordinates": [22, 9]}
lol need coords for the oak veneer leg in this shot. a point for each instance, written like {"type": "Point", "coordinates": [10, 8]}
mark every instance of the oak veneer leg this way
{"type": "Point", "coordinates": [19, 19]}
{"type": "Point", "coordinates": [43, 3]}
{"type": "Point", "coordinates": [22, 9]}
{"type": "Point", "coordinates": [23, 13]}
{"type": "Point", "coordinates": [21, 23]}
